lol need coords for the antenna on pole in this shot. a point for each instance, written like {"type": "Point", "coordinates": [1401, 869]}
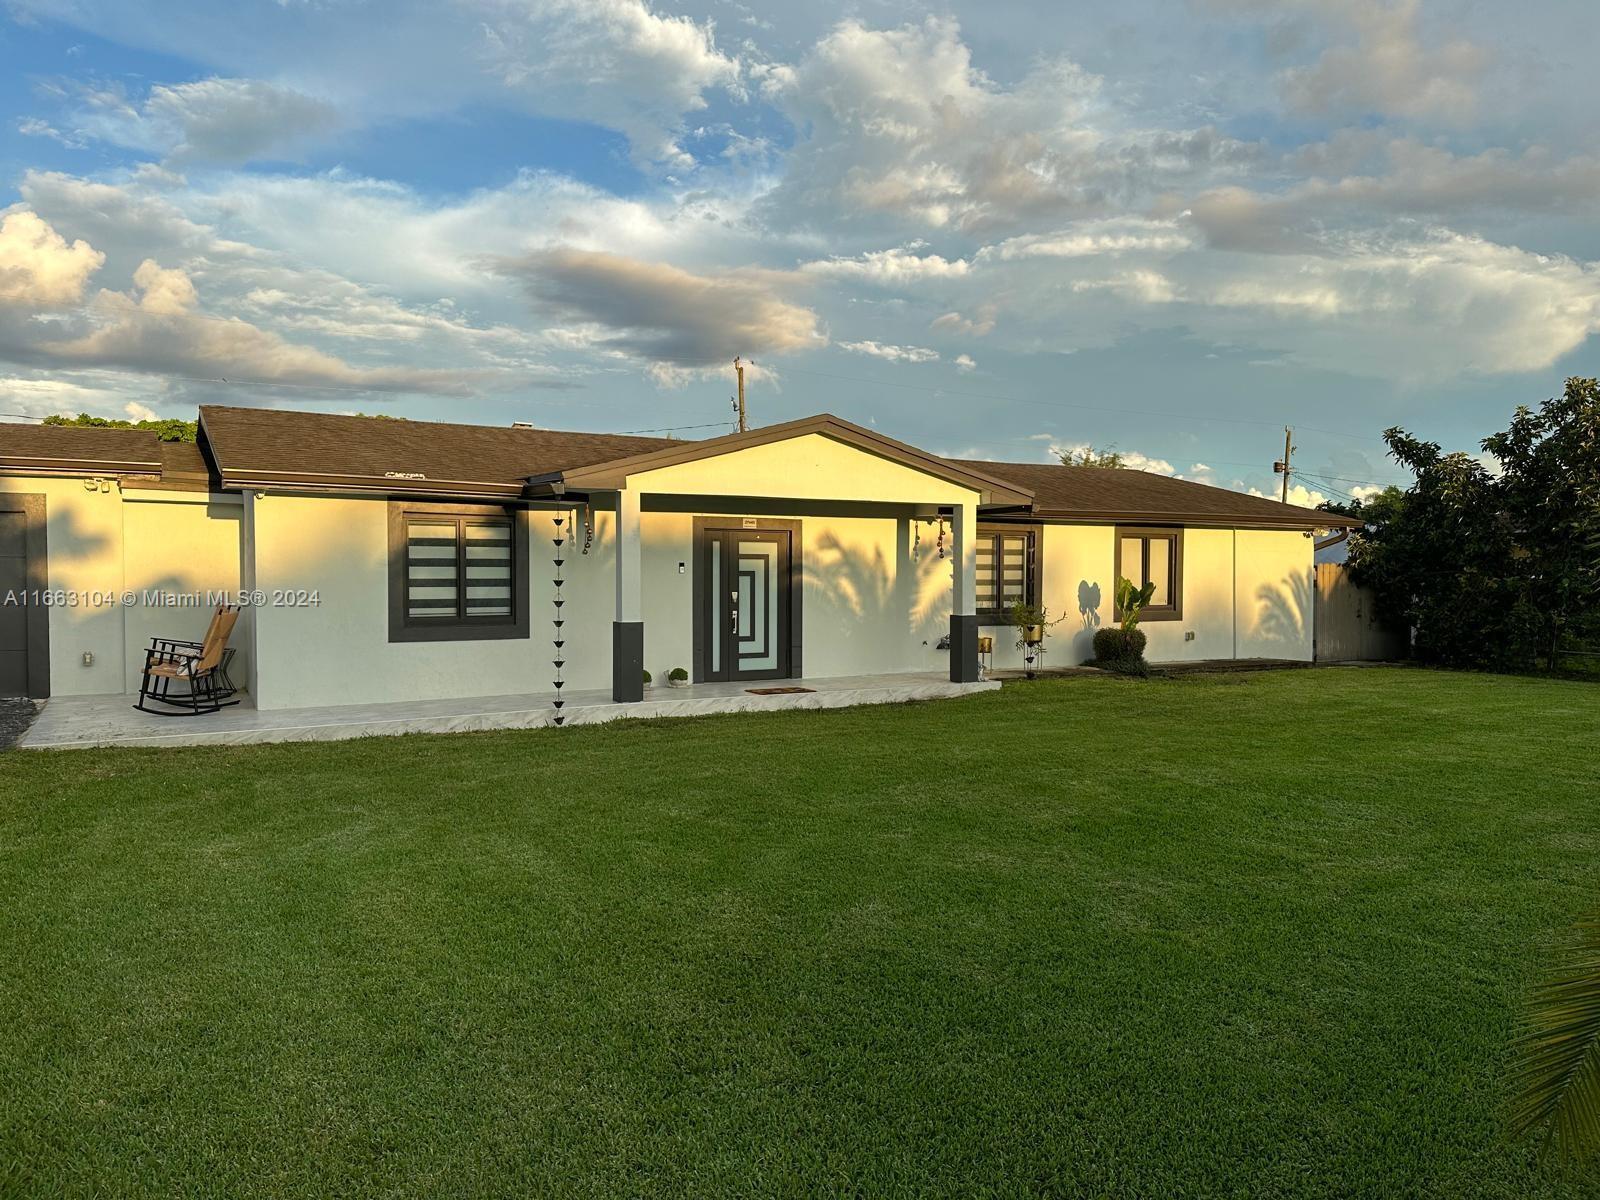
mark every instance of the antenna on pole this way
{"type": "Point", "coordinates": [738, 370]}
{"type": "Point", "coordinates": [1282, 468]}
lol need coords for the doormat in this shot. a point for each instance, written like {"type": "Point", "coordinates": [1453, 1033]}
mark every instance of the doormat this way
{"type": "Point", "coordinates": [783, 691]}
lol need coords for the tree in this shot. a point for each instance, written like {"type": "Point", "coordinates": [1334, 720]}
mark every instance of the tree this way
{"type": "Point", "coordinates": [1550, 490]}
{"type": "Point", "coordinates": [1492, 570]}
{"type": "Point", "coordinates": [1092, 456]}
{"type": "Point", "coordinates": [168, 430]}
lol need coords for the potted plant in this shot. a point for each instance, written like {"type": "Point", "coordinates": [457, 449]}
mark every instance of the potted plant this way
{"type": "Point", "coordinates": [1031, 621]}
{"type": "Point", "coordinates": [647, 681]}
{"type": "Point", "coordinates": [1122, 649]}
{"type": "Point", "coordinates": [677, 677]}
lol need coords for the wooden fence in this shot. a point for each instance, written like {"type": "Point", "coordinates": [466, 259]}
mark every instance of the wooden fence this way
{"type": "Point", "coordinates": [1345, 629]}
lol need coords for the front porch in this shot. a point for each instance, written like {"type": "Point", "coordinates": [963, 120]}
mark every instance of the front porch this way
{"type": "Point", "coordinates": [75, 722]}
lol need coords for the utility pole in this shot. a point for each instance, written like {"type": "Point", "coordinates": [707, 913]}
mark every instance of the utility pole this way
{"type": "Point", "coordinates": [738, 369]}
{"type": "Point", "coordinates": [1282, 468]}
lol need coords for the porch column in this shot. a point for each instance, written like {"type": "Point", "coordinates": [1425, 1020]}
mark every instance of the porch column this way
{"type": "Point", "coordinates": [964, 594]}
{"type": "Point", "coordinates": [627, 629]}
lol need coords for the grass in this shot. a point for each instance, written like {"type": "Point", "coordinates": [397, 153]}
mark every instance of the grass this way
{"type": "Point", "coordinates": [1261, 935]}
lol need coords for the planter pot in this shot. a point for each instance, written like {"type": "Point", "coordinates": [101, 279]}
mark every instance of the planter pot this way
{"type": "Point", "coordinates": [1033, 635]}
{"type": "Point", "coordinates": [678, 683]}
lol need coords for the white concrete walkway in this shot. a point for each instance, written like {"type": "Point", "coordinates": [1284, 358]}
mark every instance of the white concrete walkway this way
{"type": "Point", "coordinates": [70, 722]}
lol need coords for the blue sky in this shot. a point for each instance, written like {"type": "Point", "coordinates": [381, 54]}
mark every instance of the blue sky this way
{"type": "Point", "coordinates": [991, 229]}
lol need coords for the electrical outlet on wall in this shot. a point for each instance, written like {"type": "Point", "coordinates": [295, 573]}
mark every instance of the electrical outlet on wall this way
{"type": "Point", "coordinates": [88, 658]}
{"type": "Point", "coordinates": [1188, 635]}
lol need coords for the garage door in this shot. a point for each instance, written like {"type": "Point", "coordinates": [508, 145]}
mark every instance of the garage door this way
{"type": "Point", "coordinates": [24, 625]}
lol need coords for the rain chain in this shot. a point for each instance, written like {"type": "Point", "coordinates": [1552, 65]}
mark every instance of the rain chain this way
{"type": "Point", "coordinates": [560, 660]}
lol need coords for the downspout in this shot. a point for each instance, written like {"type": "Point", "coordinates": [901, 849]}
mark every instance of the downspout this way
{"type": "Point", "coordinates": [1235, 582]}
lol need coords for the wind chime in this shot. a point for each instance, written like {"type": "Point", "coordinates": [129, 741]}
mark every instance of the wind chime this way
{"type": "Point", "coordinates": [560, 660]}
{"type": "Point", "coordinates": [588, 527]}
{"type": "Point", "coordinates": [916, 539]}
{"type": "Point", "coordinates": [941, 537]}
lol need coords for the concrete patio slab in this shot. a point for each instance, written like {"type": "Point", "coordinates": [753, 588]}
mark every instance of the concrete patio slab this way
{"type": "Point", "coordinates": [72, 722]}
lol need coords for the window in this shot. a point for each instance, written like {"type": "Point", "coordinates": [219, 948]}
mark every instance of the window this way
{"type": "Point", "coordinates": [456, 573]}
{"type": "Point", "coordinates": [1007, 571]}
{"type": "Point", "coordinates": [1154, 556]}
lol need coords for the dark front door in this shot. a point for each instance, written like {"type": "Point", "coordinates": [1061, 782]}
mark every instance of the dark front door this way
{"type": "Point", "coordinates": [745, 603]}
{"type": "Point", "coordinates": [24, 625]}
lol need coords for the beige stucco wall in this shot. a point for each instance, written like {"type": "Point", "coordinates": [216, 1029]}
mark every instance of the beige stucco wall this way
{"type": "Point", "coordinates": [1276, 584]}
{"type": "Point", "coordinates": [84, 530]}
{"type": "Point", "coordinates": [1076, 586]}
{"type": "Point", "coordinates": [1246, 593]}
{"type": "Point", "coordinates": [812, 467]}
{"type": "Point", "coordinates": [185, 544]}
{"type": "Point", "coordinates": [104, 541]}
{"type": "Point", "coordinates": [868, 606]}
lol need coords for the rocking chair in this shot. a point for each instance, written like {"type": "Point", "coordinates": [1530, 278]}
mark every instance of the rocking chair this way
{"type": "Point", "coordinates": [199, 664]}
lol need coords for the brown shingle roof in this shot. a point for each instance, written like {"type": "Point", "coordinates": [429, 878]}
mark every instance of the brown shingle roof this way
{"type": "Point", "coordinates": [1115, 494]}
{"type": "Point", "coordinates": [78, 449]}
{"type": "Point", "coordinates": [183, 460]}
{"type": "Point", "coordinates": [259, 447]}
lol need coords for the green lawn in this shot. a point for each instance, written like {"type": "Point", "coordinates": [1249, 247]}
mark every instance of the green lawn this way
{"type": "Point", "coordinates": [1231, 935]}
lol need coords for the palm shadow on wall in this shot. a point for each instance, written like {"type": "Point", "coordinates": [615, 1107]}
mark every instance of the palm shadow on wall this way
{"type": "Point", "coordinates": [1284, 611]}
{"type": "Point", "coordinates": [861, 591]}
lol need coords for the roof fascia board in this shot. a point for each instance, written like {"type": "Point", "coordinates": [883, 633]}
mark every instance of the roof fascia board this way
{"type": "Point", "coordinates": [23, 464]}
{"type": "Point", "coordinates": [1290, 521]}
{"type": "Point", "coordinates": [305, 481]}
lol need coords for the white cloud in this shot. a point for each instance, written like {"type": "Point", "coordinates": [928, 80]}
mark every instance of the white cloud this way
{"type": "Point", "coordinates": [980, 324]}
{"type": "Point", "coordinates": [38, 268]}
{"type": "Point", "coordinates": [139, 412]}
{"type": "Point", "coordinates": [1299, 495]}
{"type": "Point", "coordinates": [156, 328]}
{"type": "Point", "coordinates": [1388, 69]}
{"type": "Point", "coordinates": [902, 124]}
{"type": "Point", "coordinates": [1132, 460]}
{"type": "Point", "coordinates": [964, 363]}
{"type": "Point", "coordinates": [905, 354]}
{"type": "Point", "coordinates": [206, 121]}
{"type": "Point", "coordinates": [662, 313]}
{"type": "Point", "coordinates": [236, 120]}
{"type": "Point", "coordinates": [898, 267]}
{"type": "Point", "coordinates": [612, 61]}
{"type": "Point", "coordinates": [1091, 239]}
{"type": "Point", "coordinates": [1140, 286]}
{"type": "Point", "coordinates": [1441, 304]}
{"type": "Point", "coordinates": [899, 126]}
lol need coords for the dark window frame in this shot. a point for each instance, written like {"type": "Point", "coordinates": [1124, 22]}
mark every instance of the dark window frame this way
{"type": "Point", "coordinates": [405, 628]}
{"type": "Point", "coordinates": [1031, 587]}
{"type": "Point", "coordinates": [1152, 612]}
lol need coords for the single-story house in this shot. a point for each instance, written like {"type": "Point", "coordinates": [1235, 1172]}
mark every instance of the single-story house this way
{"type": "Point", "coordinates": [388, 560]}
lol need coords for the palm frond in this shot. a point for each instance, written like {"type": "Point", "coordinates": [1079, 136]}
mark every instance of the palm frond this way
{"type": "Point", "coordinates": [1557, 1076]}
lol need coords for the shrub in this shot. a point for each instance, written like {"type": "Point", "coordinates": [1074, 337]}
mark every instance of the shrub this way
{"type": "Point", "coordinates": [677, 675]}
{"type": "Point", "coordinates": [647, 679]}
{"type": "Point", "coordinates": [1119, 646]}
